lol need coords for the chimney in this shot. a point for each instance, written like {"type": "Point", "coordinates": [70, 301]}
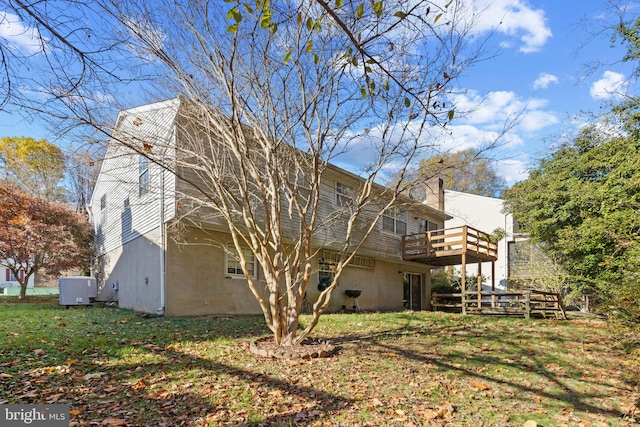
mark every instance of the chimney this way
{"type": "Point", "coordinates": [434, 190]}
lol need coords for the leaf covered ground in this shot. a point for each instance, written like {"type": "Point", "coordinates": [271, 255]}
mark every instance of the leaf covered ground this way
{"type": "Point", "coordinates": [412, 368]}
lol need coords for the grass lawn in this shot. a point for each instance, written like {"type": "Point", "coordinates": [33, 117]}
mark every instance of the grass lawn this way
{"type": "Point", "coordinates": [410, 368]}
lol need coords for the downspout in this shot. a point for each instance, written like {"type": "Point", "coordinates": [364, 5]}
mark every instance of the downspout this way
{"type": "Point", "coordinates": [161, 309]}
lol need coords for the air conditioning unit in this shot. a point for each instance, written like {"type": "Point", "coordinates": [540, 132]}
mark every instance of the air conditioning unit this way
{"type": "Point", "coordinates": [77, 290]}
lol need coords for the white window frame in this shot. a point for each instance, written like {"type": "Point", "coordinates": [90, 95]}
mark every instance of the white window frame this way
{"type": "Point", "coordinates": [143, 175]}
{"type": "Point", "coordinates": [344, 194]}
{"type": "Point", "coordinates": [232, 266]}
{"type": "Point", "coordinates": [395, 220]}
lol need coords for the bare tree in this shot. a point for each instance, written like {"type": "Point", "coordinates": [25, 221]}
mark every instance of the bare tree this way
{"type": "Point", "coordinates": [272, 94]}
{"type": "Point", "coordinates": [278, 94]}
{"type": "Point", "coordinates": [82, 170]}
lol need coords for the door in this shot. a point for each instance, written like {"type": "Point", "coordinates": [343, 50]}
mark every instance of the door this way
{"type": "Point", "coordinates": [412, 292]}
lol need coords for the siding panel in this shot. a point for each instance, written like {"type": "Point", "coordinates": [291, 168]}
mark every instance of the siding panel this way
{"type": "Point", "coordinates": [125, 214]}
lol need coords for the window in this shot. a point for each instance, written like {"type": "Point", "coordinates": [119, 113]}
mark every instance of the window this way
{"type": "Point", "coordinates": [426, 225]}
{"type": "Point", "coordinates": [103, 209]}
{"type": "Point", "coordinates": [233, 262]}
{"type": "Point", "coordinates": [10, 277]}
{"type": "Point", "coordinates": [328, 257]}
{"type": "Point", "coordinates": [143, 175]}
{"type": "Point", "coordinates": [344, 194]}
{"type": "Point", "coordinates": [328, 262]}
{"type": "Point", "coordinates": [395, 220]}
{"type": "Point", "coordinates": [326, 271]}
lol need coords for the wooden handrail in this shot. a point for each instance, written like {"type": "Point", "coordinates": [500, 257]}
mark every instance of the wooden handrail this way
{"type": "Point", "coordinates": [525, 302]}
{"type": "Point", "coordinates": [463, 238]}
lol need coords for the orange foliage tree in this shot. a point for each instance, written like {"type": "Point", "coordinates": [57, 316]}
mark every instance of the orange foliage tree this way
{"type": "Point", "coordinates": [39, 235]}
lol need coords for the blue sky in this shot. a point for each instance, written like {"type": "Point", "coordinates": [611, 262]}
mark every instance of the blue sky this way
{"type": "Point", "coordinates": [539, 72]}
{"type": "Point", "coordinates": [542, 70]}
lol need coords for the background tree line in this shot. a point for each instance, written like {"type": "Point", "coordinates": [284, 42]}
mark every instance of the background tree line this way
{"type": "Point", "coordinates": [40, 231]}
{"type": "Point", "coordinates": [581, 203]}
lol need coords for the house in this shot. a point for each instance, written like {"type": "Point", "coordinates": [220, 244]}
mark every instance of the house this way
{"type": "Point", "coordinates": [141, 264]}
{"type": "Point", "coordinates": [8, 279]}
{"type": "Point", "coordinates": [484, 213]}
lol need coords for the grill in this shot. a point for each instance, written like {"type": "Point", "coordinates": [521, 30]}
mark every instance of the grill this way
{"type": "Point", "coordinates": [353, 295]}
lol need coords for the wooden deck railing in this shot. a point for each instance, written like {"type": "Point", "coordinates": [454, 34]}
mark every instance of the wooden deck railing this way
{"type": "Point", "coordinates": [449, 241]}
{"type": "Point", "coordinates": [525, 302]}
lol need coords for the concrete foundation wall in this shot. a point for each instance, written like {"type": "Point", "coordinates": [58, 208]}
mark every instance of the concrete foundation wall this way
{"type": "Point", "coordinates": [197, 283]}
{"type": "Point", "coordinates": [382, 287]}
{"type": "Point", "coordinates": [130, 274]}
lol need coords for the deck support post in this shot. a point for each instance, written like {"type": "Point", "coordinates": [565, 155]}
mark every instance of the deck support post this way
{"type": "Point", "coordinates": [463, 280]}
{"type": "Point", "coordinates": [527, 304]}
{"type": "Point", "coordinates": [493, 284]}
{"type": "Point", "coordinates": [479, 283]}
{"type": "Point", "coordinates": [463, 283]}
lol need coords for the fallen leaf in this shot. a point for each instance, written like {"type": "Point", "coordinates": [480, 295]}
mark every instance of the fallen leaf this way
{"type": "Point", "coordinates": [93, 375]}
{"type": "Point", "coordinates": [430, 414]}
{"type": "Point", "coordinates": [38, 352]}
{"type": "Point", "coordinates": [480, 386]}
{"type": "Point", "coordinates": [54, 398]}
{"type": "Point", "coordinates": [530, 423]}
{"type": "Point", "coordinates": [114, 422]}
{"type": "Point", "coordinates": [141, 384]}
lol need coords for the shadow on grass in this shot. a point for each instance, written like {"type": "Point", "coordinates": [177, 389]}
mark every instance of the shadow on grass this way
{"type": "Point", "coordinates": [463, 364]}
{"type": "Point", "coordinates": [134, 390]}
{"type": "Point", "coordinates": [126, 394]}
{"type": "Point", "coordinates": [319, 400]}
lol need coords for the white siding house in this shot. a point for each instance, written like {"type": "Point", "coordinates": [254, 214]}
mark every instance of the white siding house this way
{"type": "Point", "coordinates": [483, 213]}
{"type": "Point", "coordinates": [142, 266]}
{"type": "Point", "coordinates": [7, 279]}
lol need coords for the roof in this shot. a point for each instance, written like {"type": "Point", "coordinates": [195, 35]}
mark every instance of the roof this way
{"type": "Point", "coordinates": [144, 122]}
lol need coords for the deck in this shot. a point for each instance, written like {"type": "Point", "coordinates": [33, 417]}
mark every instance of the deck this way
{"type": "Point", "coordinates": [527, 303]}
{"type": "Point", "coordinates": [464, 245]}
{"type": "Point", "coordinates": [450, 246]}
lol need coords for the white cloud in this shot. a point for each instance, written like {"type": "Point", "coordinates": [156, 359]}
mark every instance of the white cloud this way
{"type": "Point", "coordinates": [537, 119]}
{"type": "Point", "coordinates": [512, 170]}
{"type": "Point", "coordinates": [501, 119]}
{"type": "Point", "coordinates": [544, 80]}
{"type": "Point", "coordinates": [498, 109]}
{"type": "Point", "coordinates": [18, 36]}
{"type": "Point", "coordinates": [514, 18]}
{"type": "Point", "coordinates": [611, 85]}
